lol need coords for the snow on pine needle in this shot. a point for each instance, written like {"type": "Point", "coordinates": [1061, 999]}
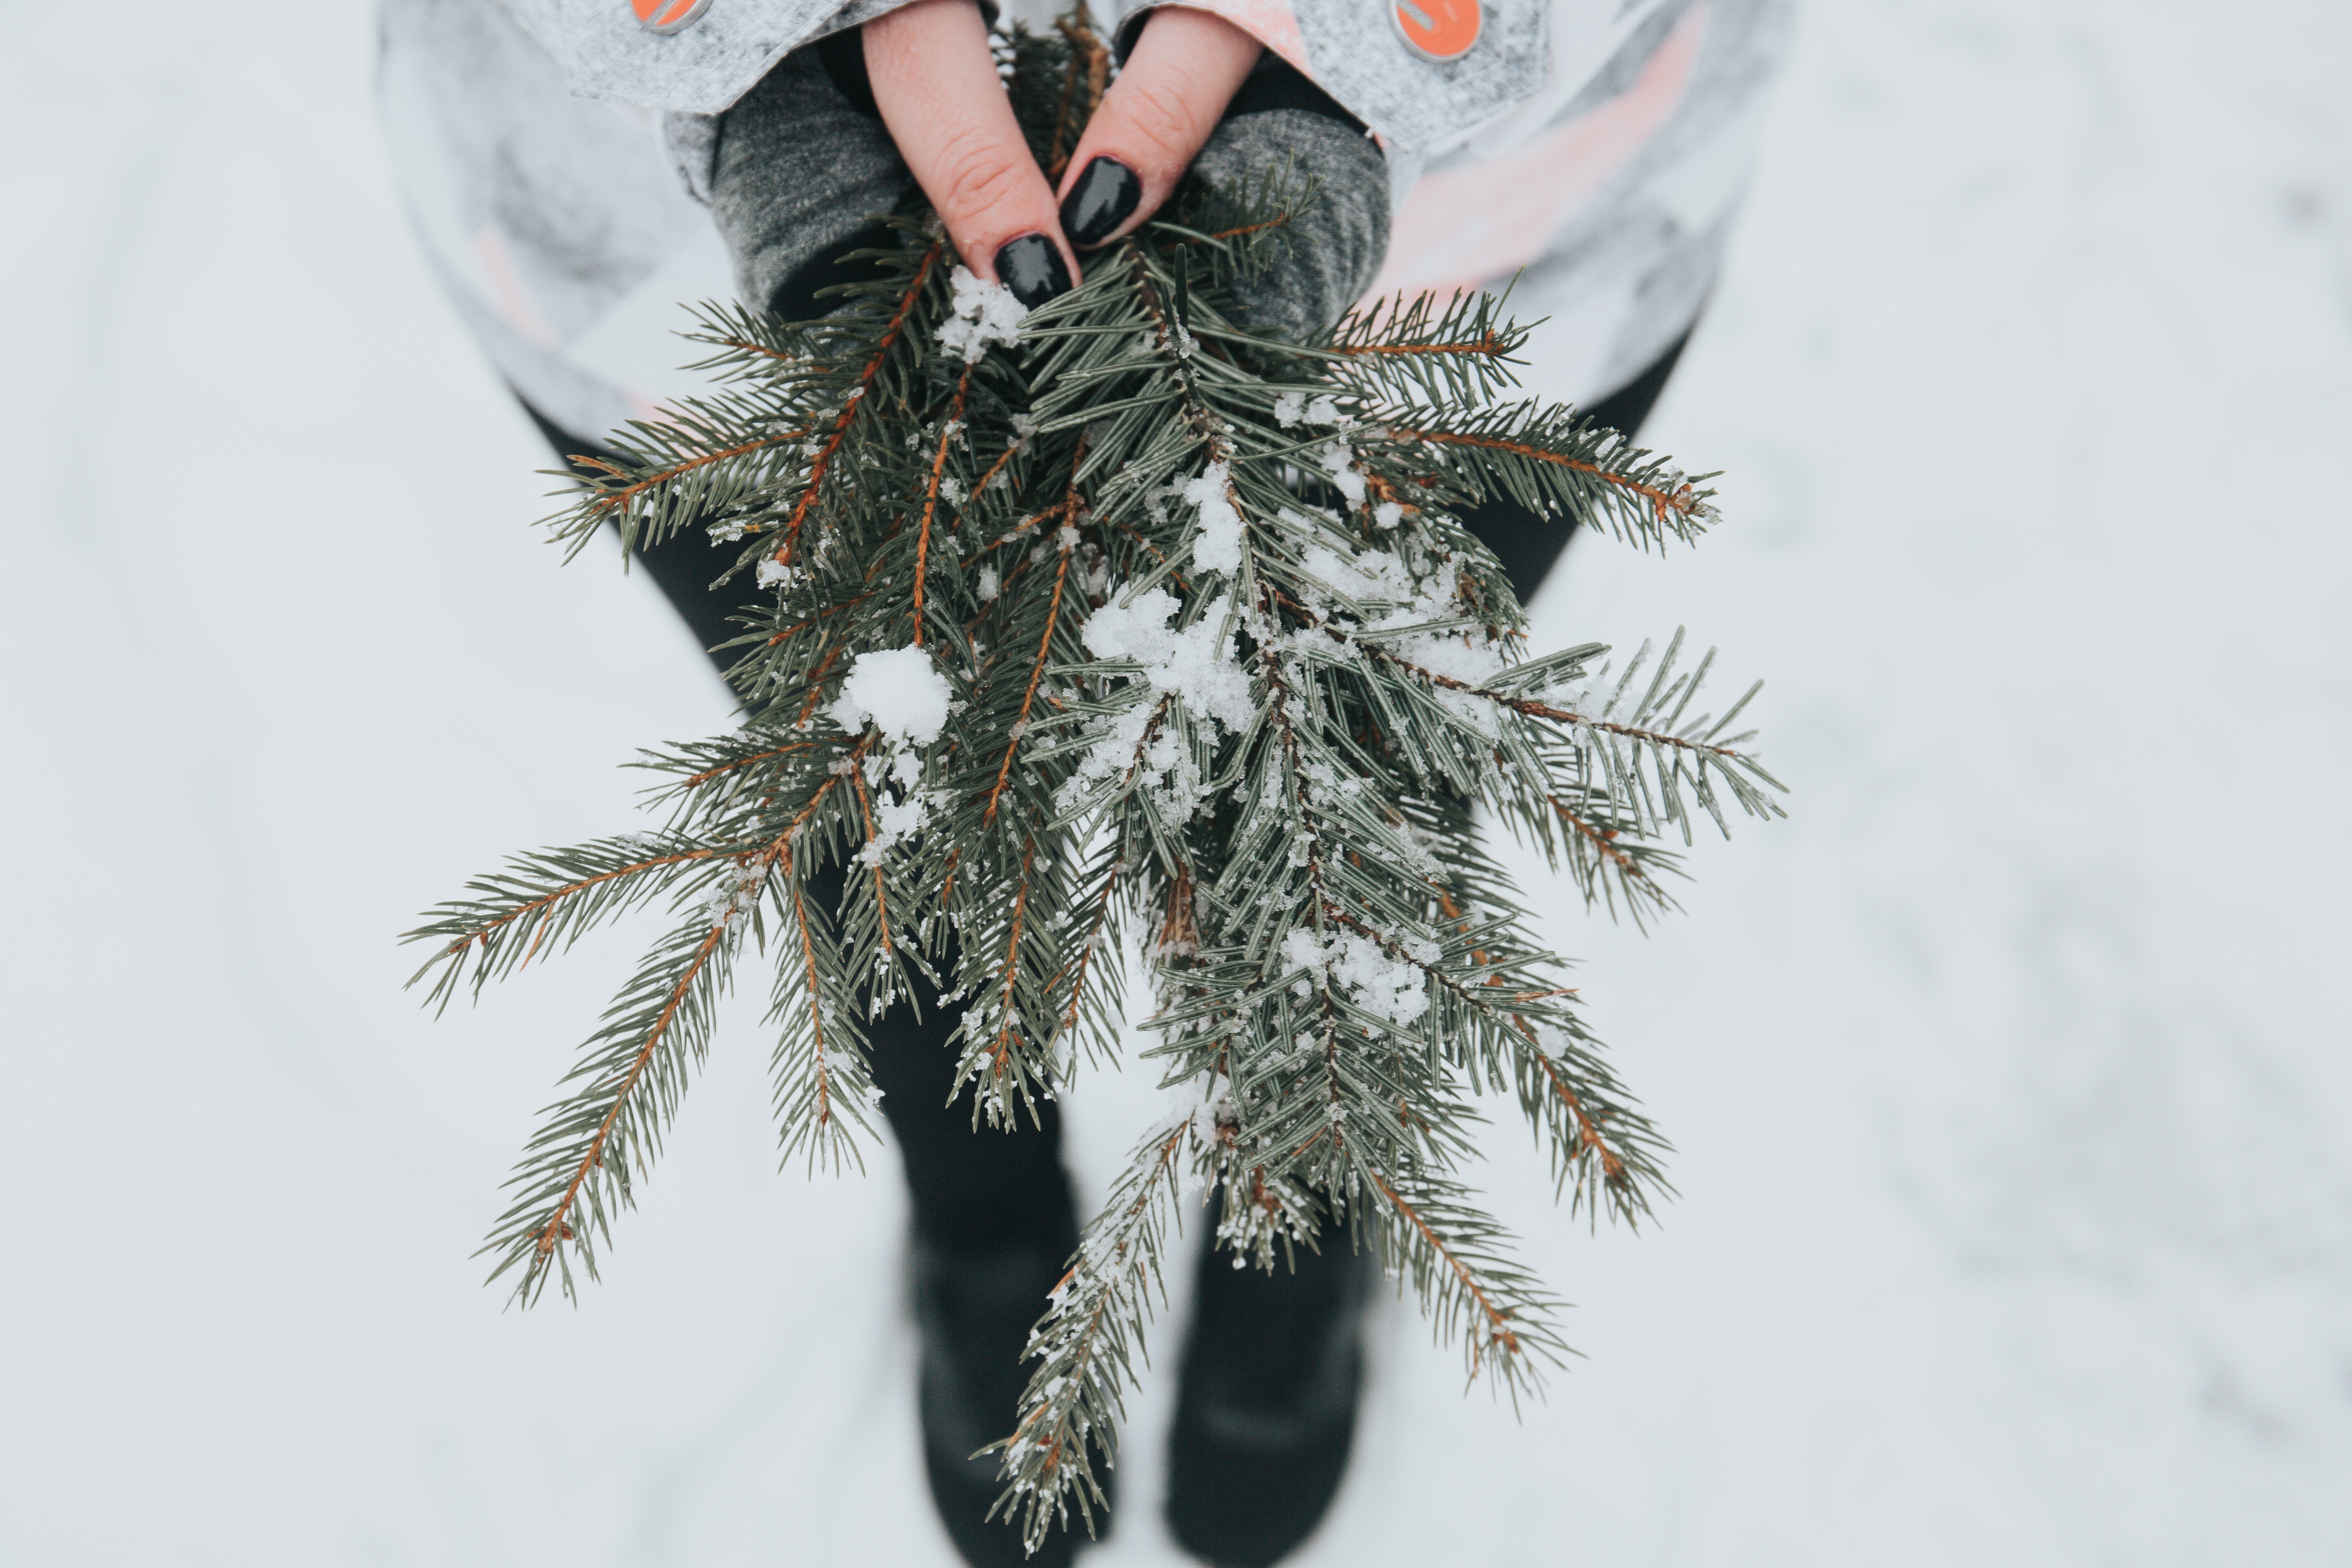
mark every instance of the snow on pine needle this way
{"type": "Point", "coordinates": [1110, 624]}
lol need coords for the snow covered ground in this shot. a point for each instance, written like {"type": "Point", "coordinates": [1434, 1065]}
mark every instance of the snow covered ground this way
{"type": "Point", "coordinates": [2008, 1080]}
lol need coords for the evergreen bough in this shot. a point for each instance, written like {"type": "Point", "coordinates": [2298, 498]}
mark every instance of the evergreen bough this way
{"type": "Point", "coordinates": [1226, 677]}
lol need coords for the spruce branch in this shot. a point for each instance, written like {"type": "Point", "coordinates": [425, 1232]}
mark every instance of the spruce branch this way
{"type": "Point", "coordinates": [1086, 1341]}
{"type": "Point", "coordinates": [1141, 634]}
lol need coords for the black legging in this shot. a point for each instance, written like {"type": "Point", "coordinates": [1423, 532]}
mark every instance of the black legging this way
{"type": "Point", "coordinates": [998, 1188]}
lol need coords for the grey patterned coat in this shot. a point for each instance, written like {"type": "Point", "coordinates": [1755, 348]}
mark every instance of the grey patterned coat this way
{"type": "Point", "coordinates": [550, 152]}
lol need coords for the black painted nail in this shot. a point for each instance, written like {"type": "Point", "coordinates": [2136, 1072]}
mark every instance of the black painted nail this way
{"type": "Point", "coordinates": [1103, 199]}
{"type": "Point", "coordinates": [1033, 270]}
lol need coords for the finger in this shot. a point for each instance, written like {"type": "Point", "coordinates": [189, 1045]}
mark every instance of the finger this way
{"type": "Point", "coordinates": [1152, 121]}
{"type": "Point", "coordinates": [937, 88]}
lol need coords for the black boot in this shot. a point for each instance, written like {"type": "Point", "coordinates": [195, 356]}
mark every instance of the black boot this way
{"type": "Point", "coordinates": [1266, 1408]}
{"type": "Point", "coordinates": [973, 1311]}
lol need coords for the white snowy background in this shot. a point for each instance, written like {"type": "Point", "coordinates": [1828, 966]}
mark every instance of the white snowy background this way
{"type": "Point", "coordinates": [2008, 1077]}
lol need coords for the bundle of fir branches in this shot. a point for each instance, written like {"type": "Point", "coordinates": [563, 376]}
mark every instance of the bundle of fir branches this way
{"type": "Point", "coordinates": [1114, 627]}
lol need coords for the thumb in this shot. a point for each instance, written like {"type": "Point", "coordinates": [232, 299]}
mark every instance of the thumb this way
{"type": "Point", "coordinates": [1152, 121]}
{"type": "Point", "coordinates": [938, 91]}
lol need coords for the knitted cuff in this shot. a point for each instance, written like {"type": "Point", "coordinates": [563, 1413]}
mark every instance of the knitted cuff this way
{"type": "Point", "coordinates": [802, 173]}
{"type": "Point", "coordinates": [1278, 119]}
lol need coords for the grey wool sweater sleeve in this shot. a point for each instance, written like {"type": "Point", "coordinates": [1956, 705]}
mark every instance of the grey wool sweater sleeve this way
{"type": "Point", "coordinates": [1280, 122]}
{"type": "Point", "coordinates": [802, 174]}
{"type": "Point", "coordinates": [1336, 242]}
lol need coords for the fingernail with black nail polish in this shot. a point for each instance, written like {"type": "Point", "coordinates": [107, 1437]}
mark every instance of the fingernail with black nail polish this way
{"type": "Point", "coordinates": [1033, 270]}
{"type": "Point", "coordinates": [1103, 198]}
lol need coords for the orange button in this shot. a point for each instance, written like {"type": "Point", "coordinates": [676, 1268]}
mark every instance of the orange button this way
{"type": "Point", "coordinates": [668, 15]}
{"type": "Point", "coordinates": [1442, 29]}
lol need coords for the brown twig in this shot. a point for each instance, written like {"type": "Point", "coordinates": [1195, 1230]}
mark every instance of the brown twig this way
{"type": "Point", "coordinates": [1498, 1322]}
{"type": "Point", "coordinates": [1012, 967]}
{"type": "Point", "coordinates": [484, 934]}
{"type": "Point", "coordinates": [881, 903]}
{"type": "Point", "coordinates": [1602, 842]}
{"type": "Point", "coordinates": [1036, 672]}
{"type": "Point", "coordinates": [931, 497]}
{"type": "Point", "coordinates": [816, 1009]}
{"type": "Point", "coordinates": [1491, 344]}
{"type": "Point", "coordinates": [1086, 54]}
{"type": "Point", "coordinates": [784, 553]}
{"type": "Point", "coordinates": [556, 1229]}
{"type": "Point", "coordinates": [707, 774]}
{"type": "Point", "coordinates": [605, 502]}
{"type": "Point", "coordinates": [1680, 501]}
{"type": "Point", "coordinates": [816, 685]}
{"type": "Point", "coordinates": [801, 625]}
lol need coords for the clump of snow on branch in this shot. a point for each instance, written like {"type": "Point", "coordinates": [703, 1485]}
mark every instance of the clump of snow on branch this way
{"type": "Point", "coordinates": [900, 690]}
{"type": "Point", "coordinates": [986, 313]}
{"type": "Point", "coordinates": [1294, 408]}
{"type": "Point", "coordinates": [1217, 544]}
{"type": "Point", "coordinates": [740, 894]}
{"type": "Point", "coordinates": [1339, 462]}
{"type": "Point", "coordinates": [1193, 664]}
{"type": "Point", "coordinates": [1406, 599]}
{"type": "Point", "coordinates": [1386, 986]}
{"type": "Point", "coordinates": [1399, 603]}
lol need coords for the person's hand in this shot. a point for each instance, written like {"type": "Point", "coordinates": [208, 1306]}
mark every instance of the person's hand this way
{"type": "Point", "coordinates": [1153, 123]}
{"type": "Point", "coordinates": [1197, 93]}
{"type": "Point", "coordinates": [937, 88]}
{"type": "Point", "coordinates": [849, 128]}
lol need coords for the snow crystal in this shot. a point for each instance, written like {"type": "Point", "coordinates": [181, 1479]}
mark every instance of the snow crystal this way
{"type": "Point", "coordinates": [738, 895]}
{"type": "Point", "coordinates": [986, 313]}
{"type": "Point", "coordinates": [1294, 408]}
{"type": "Point", "coordinates": [1338, 462]}
{"type": "Point", "coordinates": [1369, 578]}
{"type": "Point", "coordinates": [1378, 577]}
{"type": "Point", "coordinates": [1216, 1111]}
{"type": "Point", "coordinates": [894, 821]}
{"type": "Point", "coordinates": [986, 587]}
{"type": "Point", "coordinates": [1388, 514]}
{"type": "Point", "coordinates": [1588, 702]}
{"type": "Point", "coordinates": [1097, 582]}
{"type": "Point", "coordinates": [774, 573]}
{"type": "Point", "coordinates": [900, 689]}
{"type": "Point", "coordinates": [952, 489]}
{"type": "Point", "coordinates": [1217, 543]}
